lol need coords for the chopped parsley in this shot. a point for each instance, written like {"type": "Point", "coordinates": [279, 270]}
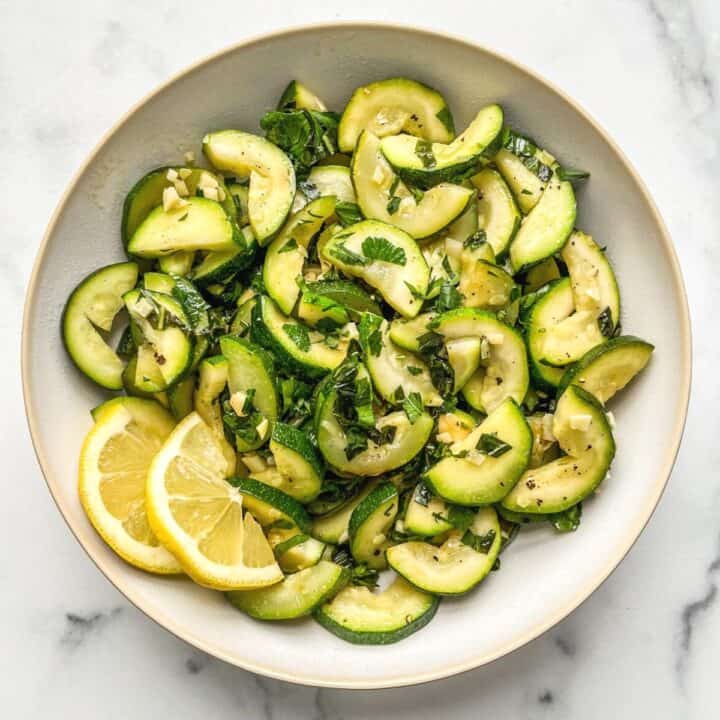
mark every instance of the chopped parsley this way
{"type": "Point", "coordinates": [380, 248]}
{"type": "Point", "coordinates": [479, 543]}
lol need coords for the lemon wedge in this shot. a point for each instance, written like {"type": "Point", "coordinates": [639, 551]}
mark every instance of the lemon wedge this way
{"type": "Point", "coordinates": [199, 516]}
{"type": "Point", "coordinates": [114, 461]}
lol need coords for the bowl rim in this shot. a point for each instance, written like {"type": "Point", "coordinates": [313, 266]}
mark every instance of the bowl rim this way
{"type": "Point", "coordinates": [579, 597]}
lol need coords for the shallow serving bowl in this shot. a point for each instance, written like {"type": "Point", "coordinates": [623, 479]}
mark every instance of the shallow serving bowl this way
{"type": "Point", "coordinates": [232, 89]}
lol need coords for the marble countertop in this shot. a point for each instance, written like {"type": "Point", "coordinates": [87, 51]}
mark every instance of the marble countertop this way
{"type": "Point", "coordinates": [644, 645]}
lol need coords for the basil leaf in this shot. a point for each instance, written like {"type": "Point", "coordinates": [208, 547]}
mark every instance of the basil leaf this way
{"type": "Point", "coordinates": [492, 445]}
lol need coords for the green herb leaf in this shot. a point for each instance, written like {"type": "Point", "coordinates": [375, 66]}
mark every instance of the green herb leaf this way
{"type": "Point", "coordinates": [299, 335]}
{"type": "Point", "coordinates": [380, 248]}
{"type": "Point", "coordinates": [417, 194]}
{"type": "Point", "coordinates": [307, 136]}
{"type": "Point", "coordinates": [492, 445]}
{"type": "Point", "coordinates": [448, 298]}
{"type": "Point", "coordinates": [413, 370]}
{"type": "Point", "coordinates": [369, 332]}
{"type": "Point", "coordinates": [414, 291]}
{"type": "Point", "coordinates": [348, 213]}
{"type": "Point", "coordinates": [460, 517]}
{"type": "Point", "coordinates": [424, 151]}
{"type": "Point", "coordinates": [568, 520]}
{"type": "Point", "coordinates": [476, 240]}
{"type": "Point", "coordinates": [413, 407]}
{"type": "Point", "coordinates": [393, 204]}
{"type": "Point", "coordinates": [605, 323]}
{"type": "Point", "coordinates": [479, 543]}
{"type": "Point", "coordinates": [192, 303]}
{"type": "Point", "coordinates": [347, 257]}
{"type": "Point", "coordinates": [291, 244]}
{"type": "Point", "coordinates": [446, 118]}
{"type": "Point", "coordinates": [571, 174]}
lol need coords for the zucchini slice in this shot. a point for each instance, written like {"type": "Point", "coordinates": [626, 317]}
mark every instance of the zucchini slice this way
{"type": "Point", "coordinates": [407, 439]}
{"type": "Point", "coordinates": [594, 286]}
{"type": "Point", "coordinates": [541, 274]}
{"type": "Point", "coordinates": [240, 194]}
{"type": "Point", "coordinates": [386, 258]}
{"type": "Point", "coordinates": [165, 352]}
{"type": "Point", "coordinates": [212, 379]}
{"type": "Point", "coordinates": [92, 306]}
{"type": "Point", "coordinates": [608, 368]}
{"type": "Point", "coordinates": [362, 617]}
{"type": "Point", "coordinates": [390, 106]}
{"type": "Point", "coordinates": [458, 565]}
{"type": "Point", "coordinates": [147, 194]}
{"type": "Point", "coordinates": [547, 227]}
{"type": "Point", "coordinates": [583, 433]}
{"type": "Point", "coordinates": [200, 224]}
{"type": "Point", "coordinates": [286, 254]}
{"type": "Point", "coordinates": [296, 596]}
{"type": "Point", "coordinates": [221, 267]}
{"type": "Point", "coordinates": [406, 333]}
{"type": "Point", "coordinates": [376, 185]}
{"type": "Point", "coordinates": [251, 375]}
{"type": "Point", "coordinates": [395, 373]}
{"type": "Point", "coordinates": [464, 356]}
{"type": "Point", "coordinates": [178, 263]}
{"type": "Point", "coordinates": [296, 459]}
{"type": "Point", "coordinates": [486, 464]}
{"type": "Point", "coordinates": [369, 524]}
{"type": "Point", "coordinates": [334, 528]}
{"type": "Point", "coordinates": [321, 311]}
{"type": "Point", "coordinates": [295, 551]}
{"type": "Point", "coordinates": [554, 303]}
{"type": "Point", "coordinates": [271, 507]}
{"type": "Point", "coordinates": [425, 164]}
{"type": "Point", "coordinates": [503, 371]}
{"type": "Point", "coordinates": [486, 285]}
{"type": "Point", "coordinates": [525, 167]}
{"type": "Point", "coordinates": [291, 342]}
{"type": "Point", "coordinates": [243, 317]}
{"type": "Point", "coordinates": [297, 97]}
{"type": "Point", "coordinates": [271, 175]}
{"type": "Point", "coordinates": [180, 397]}
{"type": "Point", "coordinates": [426, 514]}
{"type": "Point", "coordinates": [346, 293]}
{"type": "Point", "coordinates": [325, 181]}
{"type": "Point", "coordinates": [498, 215]}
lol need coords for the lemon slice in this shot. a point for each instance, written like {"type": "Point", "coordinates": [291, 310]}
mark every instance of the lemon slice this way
{"type": "Point", "coordinates": [199, 516]}
{"type": "Point", "coordinates": [114, 461]}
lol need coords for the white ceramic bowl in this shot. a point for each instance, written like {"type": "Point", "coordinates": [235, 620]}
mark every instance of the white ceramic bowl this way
{"type": "Point", "coordinates": [544, 575]}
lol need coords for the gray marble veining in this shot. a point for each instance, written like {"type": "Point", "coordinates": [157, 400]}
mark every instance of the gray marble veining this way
{"type": "Point", "coordinates": [644, 645]}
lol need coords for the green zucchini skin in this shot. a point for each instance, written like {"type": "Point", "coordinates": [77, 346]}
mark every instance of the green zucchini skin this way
{"type": "Point", "coordinates": [277, 499]}
{"type": "Point", "coordinates": [411, 611]}
{"type": "Point", "coordinates": [83, 342]}
{"type": "Point", "coordinates": [640, 352]}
